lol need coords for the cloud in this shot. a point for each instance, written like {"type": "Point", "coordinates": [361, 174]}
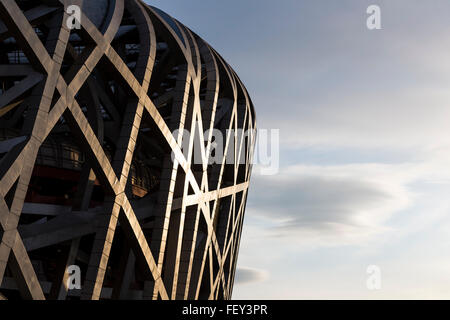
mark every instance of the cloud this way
{"type": "Point", "coordinates": [332, 204]}
{"type": "Point", "coordinates": [246, 275]}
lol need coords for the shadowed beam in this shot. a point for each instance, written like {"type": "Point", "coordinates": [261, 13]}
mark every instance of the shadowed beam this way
{"type": "Point", "coordinates": [32, 15]}
{"type": "Point", "coordinates": [19, 89]}
{"type": "Point", "coordinates": [8, 108]}
{"type": "Point", "coordinates": [15, 70]}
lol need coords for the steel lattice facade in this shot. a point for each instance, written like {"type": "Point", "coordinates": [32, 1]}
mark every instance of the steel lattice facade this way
{"type": "Point", "coordinates": [92, 171]}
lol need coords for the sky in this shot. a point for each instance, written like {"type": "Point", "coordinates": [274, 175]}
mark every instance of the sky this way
{"type": "Point", "coordinates": [363, 116]}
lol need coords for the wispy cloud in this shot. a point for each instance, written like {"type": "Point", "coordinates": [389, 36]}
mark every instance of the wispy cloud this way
{"type": "Point", "coordinates": [333, 204]}
{"type": "Point", "coordinates": [246, 275]}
